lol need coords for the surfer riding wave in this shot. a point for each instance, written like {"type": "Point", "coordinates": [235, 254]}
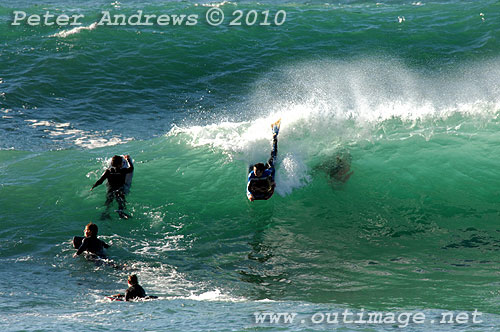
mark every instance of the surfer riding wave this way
{"type": "Point", "coordinates": [261, 181]}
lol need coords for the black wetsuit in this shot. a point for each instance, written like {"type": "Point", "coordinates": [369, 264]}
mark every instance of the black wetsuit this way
{"type": "Point", "coordinates": [116, 182]}
{"type": "Point", "coordinates": [262, 188]}
{"type": "Point", "coordinates": [115, 177]}
{"type": "Point", "coordinates": [133, 292]}
{"type": "Point", "coordinates": [93, 245]}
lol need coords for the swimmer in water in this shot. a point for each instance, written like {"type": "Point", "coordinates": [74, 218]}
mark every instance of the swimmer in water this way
{"type": "Point", "coordinates": [261, 183]}
{"type": "Point", "coordinates": [341, 171]}
{"type": "Point", "coordinates": [134, 291]}
{"type": "Point", "coordinates": [90, 243]}
{"type": "Point", "coordinates": [116, 176]}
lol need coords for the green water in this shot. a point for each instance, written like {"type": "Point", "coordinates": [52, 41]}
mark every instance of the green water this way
{"type": "Point", "coordinates": [412, 102]}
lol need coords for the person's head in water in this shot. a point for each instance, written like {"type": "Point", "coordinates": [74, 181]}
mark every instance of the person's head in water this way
{"type": "Point", "coordinates": [258, 169]}
{"type": "Point", "coordinates": [91, 230]}
{"type": "Point", "coordinates": [132, 280]}
{"type": "Point", "coordinates": [117, 161]}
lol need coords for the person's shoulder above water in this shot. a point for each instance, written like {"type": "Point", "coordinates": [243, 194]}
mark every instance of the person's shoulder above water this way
{"type": "Point", "coordinates": [135, 290]}
{"type": "Point", "coordinates": [116, 168]}
{"type": "Point", "coordinates": [89, 242]}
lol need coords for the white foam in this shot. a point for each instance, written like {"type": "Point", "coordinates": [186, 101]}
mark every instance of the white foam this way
{"type": "Point", "coordinates": [24, 259]}
{"type": "Point", "coordinates": [66, 33]}
{"type": "Point", "coordinates": [165, 279]}
{"type": "Point", "coordinates": [213, 296]}
{"type": "Point", "coordinates": [161, 247]}
{"type": "Point", "coordinates": [82, 138]}
{"type": "Point", "coordinates": [216, 4]}
{"type": "Point", "coordinates": [325, 105]}
{"type": "Point", "coordinates": [266, 301]}
{"type": "Point", "coordinates": [292, 173]}
{"type": "Point", "coordinates": [251, 142]}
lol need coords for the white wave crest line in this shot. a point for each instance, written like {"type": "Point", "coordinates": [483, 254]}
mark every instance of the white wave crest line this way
{"type": "Point", "coordinates": [341, 103]}
{"type": "Point", "coordinates": [216, 4]}
{"type": "Point", "coordinates": [250, 141]}
{"type": "Point", "coordinates": [66, 33]}
{"type": "Point", "coordinates": [82, 138]}
{"type": "Point", "coordinates": [211, 296]}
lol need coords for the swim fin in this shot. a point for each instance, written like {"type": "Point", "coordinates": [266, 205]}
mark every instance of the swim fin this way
{"type": "Point", "coordinates": [122, 214]}
{"type": "Point", "coordinates": [276, 127]}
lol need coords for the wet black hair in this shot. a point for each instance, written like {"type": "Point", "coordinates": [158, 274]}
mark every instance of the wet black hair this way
{"type": "Point", "coordinates": [92, 228]}
{"type": "Point", "coordinates": [116, 161]}
{"type": "Point", "coordinates": [260, 167]}
{"type": "Point", "coordinates": [132, 279]}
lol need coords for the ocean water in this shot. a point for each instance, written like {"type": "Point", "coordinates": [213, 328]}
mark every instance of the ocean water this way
{"type": "Point", "coordinates": [408, 91]}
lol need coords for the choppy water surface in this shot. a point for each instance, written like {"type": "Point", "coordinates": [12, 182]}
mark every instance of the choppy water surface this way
{"type": "Point", "coordinates": [407, 91]}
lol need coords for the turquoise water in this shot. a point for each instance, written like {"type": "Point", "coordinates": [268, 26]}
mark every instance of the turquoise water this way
{"type": "Point", "coordinates": [408, 90]}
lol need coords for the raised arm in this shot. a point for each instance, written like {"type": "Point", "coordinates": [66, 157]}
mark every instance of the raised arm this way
{"type": "Point", "coordinates": [130, 169]}
{"type": "Point", "coordinates": [101, 180]}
